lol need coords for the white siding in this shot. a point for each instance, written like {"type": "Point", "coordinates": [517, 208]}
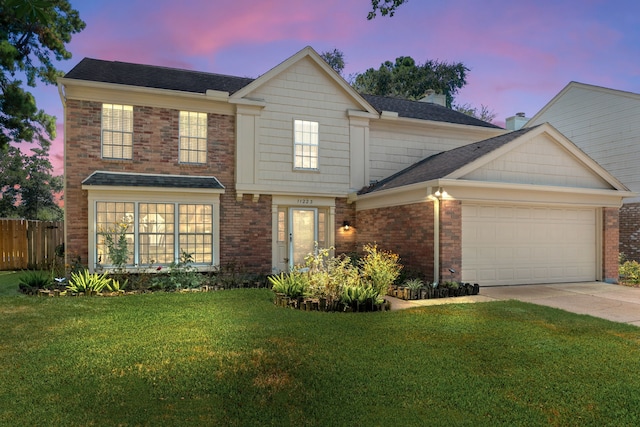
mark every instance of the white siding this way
{"type": "Point", "coordinates": [305, 92]}
{"type": "Point", "coordinates": [394, 146]}
{"type": "Point", "coordinates": [539, 161]}
{"type": "Point", "coordinates": [605, 124]}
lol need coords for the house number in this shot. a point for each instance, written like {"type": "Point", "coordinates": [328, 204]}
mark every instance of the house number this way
{"type": "Point", "coordinates": [305, 201]}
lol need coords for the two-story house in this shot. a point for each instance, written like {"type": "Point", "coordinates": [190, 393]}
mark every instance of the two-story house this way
{"type": "Point", "coordinates": [605, 124]}
{"type": "Point", "coordinates": [259, 171]}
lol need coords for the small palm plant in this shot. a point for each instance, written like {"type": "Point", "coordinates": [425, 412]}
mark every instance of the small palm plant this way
{"type": "Point", "coordinates": [33, 280]}
{"type": "Point", "coordinates": [83, 281]}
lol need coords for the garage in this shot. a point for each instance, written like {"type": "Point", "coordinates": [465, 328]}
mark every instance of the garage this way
{"type": "Point", "coordinates": [511, 245]}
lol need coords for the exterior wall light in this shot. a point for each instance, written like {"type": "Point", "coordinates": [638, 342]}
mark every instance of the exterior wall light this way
{"type": "Point", "coordinates": [346, 225]}
{"type": "Point", "coordinates": [440, 193]}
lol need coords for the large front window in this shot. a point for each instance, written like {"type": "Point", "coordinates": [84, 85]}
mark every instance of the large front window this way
{"type": "Point", "coordinates": [305, 144]}
{"type": "Point", "coordinates": [117, 131]}
{"type": "Point", "coordinates": [155, 233]}
{"type": "Point", "coordinates": [193, 137]}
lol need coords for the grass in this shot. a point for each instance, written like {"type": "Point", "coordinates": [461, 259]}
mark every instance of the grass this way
{"type": "Point", "coordinates": [9, 282]}
{"type": "Point", "coordinates": [233, 358]}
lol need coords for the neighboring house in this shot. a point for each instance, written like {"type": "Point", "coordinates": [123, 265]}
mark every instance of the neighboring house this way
{"type": "Point", "coordinates": [605, 124]}
{"type": "Point", "coordinates": [257, 171]}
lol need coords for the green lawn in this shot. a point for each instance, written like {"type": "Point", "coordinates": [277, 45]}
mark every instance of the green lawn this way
{"type": "Point", "coordinates": [9, 282]}
{"type": "Point", "coordinates": [232, 358]}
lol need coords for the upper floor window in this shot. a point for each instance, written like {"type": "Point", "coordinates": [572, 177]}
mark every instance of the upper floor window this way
{"type": "Point", "coordinates": [305, 144]}
{"type": "Point", "coordinates": [117, 131]}
{"type": "Point", "coordinates": [193, 137]}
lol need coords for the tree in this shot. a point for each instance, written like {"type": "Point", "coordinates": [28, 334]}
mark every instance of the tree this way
{"type": "Point", "coordinates": [335, 59]}
{"type": "Point", "coordinates": [483, 114]}
{"type": "Point", "coordinates": [406, 79]}
{"type": "Point", "coordinates": [385, 7]}
{"type": "Point", "coordinates": [32, 34]}
{"type": "Point", "coordinates": [27, 186]}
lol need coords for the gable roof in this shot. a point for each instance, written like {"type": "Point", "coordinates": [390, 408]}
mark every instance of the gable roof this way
{"type": "Point", "coordinates": [424, 111]}
{"type": "Point", "coordinates": [309, 53]}
{"type": "Point", "coordinates": [157, 77]}
{"type": "Point", "coordinates": [121, 179]}
{"type": "Point", "coordinates": [445, 163]}
{"type": "Point", "coordinates": [151, 76]}
{"type": "Point", "coordinates": [585, 86]}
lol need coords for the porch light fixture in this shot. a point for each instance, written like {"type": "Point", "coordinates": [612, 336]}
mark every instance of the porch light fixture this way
{"type": "Point", "coordinates": [440, 192]}
{"type": "Point", "coordinates": [346, 225]}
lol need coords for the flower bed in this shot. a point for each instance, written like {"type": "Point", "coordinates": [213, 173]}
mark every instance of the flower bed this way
{"type": "Point", "coordinates": [322, 304]}
{"type": "Point", "coordinates": [57, 292]}
{"type": "Point", "coordinates": [327, 283]}
{"type": "Point", "coordinates": [447, 290]}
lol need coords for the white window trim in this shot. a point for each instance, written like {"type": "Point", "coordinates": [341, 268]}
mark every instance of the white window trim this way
{"type": "Point", "coordinates": [205, 138]}
{"type": "Point", "coordinates": [296, 144]}
{"type": "Point", "coordinates": [102, 130]}
{"type": "Point", "coordinates": [153, 195]}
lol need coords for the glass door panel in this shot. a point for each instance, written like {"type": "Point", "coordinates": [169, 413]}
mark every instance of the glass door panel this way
{"type": "Point", "coordinates": [303, 235]}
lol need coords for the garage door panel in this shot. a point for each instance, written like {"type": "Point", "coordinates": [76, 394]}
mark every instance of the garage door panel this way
{"type": "Point", "coordinates": [523, 274]}
{"type": "Point", "coordinates": [505, 274]}
{"type": "Point", "coordinates": [517, 245]}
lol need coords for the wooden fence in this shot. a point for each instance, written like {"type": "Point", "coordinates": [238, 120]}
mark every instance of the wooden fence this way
{"type": "Point", "coordinates": [28, 244]}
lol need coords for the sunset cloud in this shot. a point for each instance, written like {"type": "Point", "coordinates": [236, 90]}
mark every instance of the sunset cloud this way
{"type": "Point", "coordinates": [520, 53]}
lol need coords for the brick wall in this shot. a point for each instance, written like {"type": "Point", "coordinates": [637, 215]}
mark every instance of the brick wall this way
{"type": "Point", "coordinates": [406, 230]}
{"type": "Point", "coordinates": [345, 241]}
{"type": "Point", "coordinates": [630, 231]}
{"type": "Point", "coordinates": [82, 134]}
{"type": "Point", "coordinates": [450, 240]}
{"type": "Point", "coordinates": [245, 232]}
{"type": "Point", "coordinates": [610, 242]}
{"type": "Point", "coordinates": [244, 225]}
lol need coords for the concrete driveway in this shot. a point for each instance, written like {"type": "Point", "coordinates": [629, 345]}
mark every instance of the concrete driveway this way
{"type": "Point", "coordinates": [598, 299]}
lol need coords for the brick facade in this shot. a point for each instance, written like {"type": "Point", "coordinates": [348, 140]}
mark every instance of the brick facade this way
{"type": "Point", "coordinates": [406, 230]}
{"type": "Point", "coordinates": [245, 232]}
{"type": "Point", "coordinates": [345, 241]}
{"type": "Point", "coordinates": [610, 244]}
{"type": "Point", "coordinates": [630, 231]}
{"type": "Point", "coordinates": [450, 240]}
{"type": "Point", "coordinates": [245, 227]}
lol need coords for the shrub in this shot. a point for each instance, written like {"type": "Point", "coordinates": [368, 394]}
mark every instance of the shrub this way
{"type": "Point", "coordinates": [339, 279]}
{"type": "Point", "coordinates": [115, 239]}
{"type": "Point", "coordinates": [328, 275]}
{"type": "Point", "coordinates": [115, 285]}
{"type": "Point", "coordinates": [413, 284]}
{"type": "Point", "coordinates": [86, 282]}
{"type": "Point", "coordinates": [629, 272]}
{"type": "Point", "coordinates": [293, 285]}
{"type": "Point", "coordinates": [181, 275]}
{"type": "Point", "coordinates": [33, 280]}
{"type": "Point", "coordinates": [359, 294]}
{"type": "Point", "coordinates": [379, 268]}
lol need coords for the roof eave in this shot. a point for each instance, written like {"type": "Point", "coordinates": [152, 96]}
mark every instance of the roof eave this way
{"type": "Point", "coordinates": [215, 95]}
{"type": "Point", "coordinates": [436, 123]}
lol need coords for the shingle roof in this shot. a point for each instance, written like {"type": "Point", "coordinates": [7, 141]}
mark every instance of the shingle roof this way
{"type": "Point", "coordinates": [119, 179]}
{"type": "Point", "coordinates": [442, 164]}
{"type": "Point", "coordinates": [423, 111]}
{"type": "Point", "coordinates": [152, 76]}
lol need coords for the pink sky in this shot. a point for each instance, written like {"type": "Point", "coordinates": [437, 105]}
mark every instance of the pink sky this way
{"type": "Point", "coordinates": [521, 53]}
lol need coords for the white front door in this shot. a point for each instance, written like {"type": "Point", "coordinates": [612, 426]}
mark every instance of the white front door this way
{"type": "Point", "coordinates": [303, 234]}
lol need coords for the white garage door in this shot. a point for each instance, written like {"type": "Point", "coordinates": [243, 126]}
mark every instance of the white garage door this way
{"type": "Point", "coordinates": [510, 245]}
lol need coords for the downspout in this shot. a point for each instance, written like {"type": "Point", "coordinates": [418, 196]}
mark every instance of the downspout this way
{"type": "Point", "coordinates": [436, 239]}
{"type": "Point", "coordinates": [63, 99]}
